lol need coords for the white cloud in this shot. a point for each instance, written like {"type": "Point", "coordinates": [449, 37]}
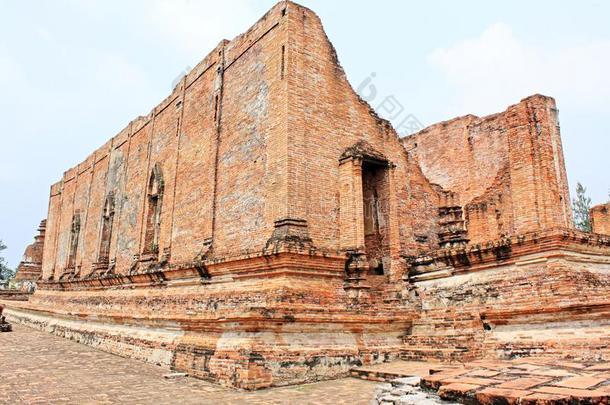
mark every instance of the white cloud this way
{"type": "Point", "coordinates": [497, 68]}
{"type": "Point", "coordinates": [196, 27]}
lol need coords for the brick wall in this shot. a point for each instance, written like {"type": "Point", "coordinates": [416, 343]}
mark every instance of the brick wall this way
{"type": "Point", "coordinates": [328, 119]}
{"type": "Point", "coordinates": [537, 294]}
{"type": "Point", "coordinates": [244, 141]}
{"type": "Point", "coordinates": [254, 136]}
{"type": "Point", "coordinates": [219, 141]}
{"type": "Point", "coordinates": [507, 169]}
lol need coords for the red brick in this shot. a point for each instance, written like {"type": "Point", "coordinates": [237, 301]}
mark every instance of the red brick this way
{"type": "Point", "coordinates": [538, 398]}
{"type": "Point", "coordinates": [473, 380]}
{"type": "Point", "coordinates": [581, 382]}
{"type": "Point", "coordinates": [524, 383]}
{"type": "Point", "coordinates": [483, 373]}
{"type": "Point", "coordinates": [456, 391]}
{"type": "Point", "coordinates": [494, 395]}
{"type": "Point", "coordinates": [573, 393]}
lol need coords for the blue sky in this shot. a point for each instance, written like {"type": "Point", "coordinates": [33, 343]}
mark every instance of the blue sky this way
{"type": "Point", "coordinates": [73, 73]}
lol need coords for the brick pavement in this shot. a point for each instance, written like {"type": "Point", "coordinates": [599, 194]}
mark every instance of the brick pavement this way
{"type": "Point", "coordinates": [524, 381]}
{"type": "Point", "coordinates": [39, 368]}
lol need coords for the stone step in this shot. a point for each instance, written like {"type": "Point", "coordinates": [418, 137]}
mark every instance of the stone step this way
{"type": "Point", "coordinates": [377, 375]}
{"type": "Point", "coordinates": [436, 353]}
{"type": "Point", "coordinates": [395, 369]}
{"type": "Point", "coordinates": [436, 349]}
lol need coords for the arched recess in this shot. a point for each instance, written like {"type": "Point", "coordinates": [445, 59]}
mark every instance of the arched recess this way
{"type": "Point", "coordinates": [74, 239]}
{"type": "Point", "coordinates": [154, 202]}
{"type": "Point", "coordinates": [106, 230]}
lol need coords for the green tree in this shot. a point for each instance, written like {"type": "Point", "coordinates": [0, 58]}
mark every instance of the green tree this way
{"type": "Point", "coordinates": [581, 206]}
{"type": "Point", "coordinates": [5, 272]}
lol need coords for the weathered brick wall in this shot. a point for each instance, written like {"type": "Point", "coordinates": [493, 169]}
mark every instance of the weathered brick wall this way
{"type": "Point", "coordinates": [244, 141]}
{"type": "Point", "coordinates": [507, 169]}
{"type": "Point", "coordinates": [219, 141]}
{"type": "Point", "coordinates": [600, 219]}
{"type": "Point", "coordinates": [247, 139]}
{"type": "Point", "coordinates": [327, 118]}
{"type": "Point", "coordinates": [91, 186]}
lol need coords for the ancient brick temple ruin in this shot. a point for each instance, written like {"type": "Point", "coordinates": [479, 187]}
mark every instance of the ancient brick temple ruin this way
{"type": "Point", "coordinates": [30, 267]}
{"type": "Point", "coordinates": [262, 226]}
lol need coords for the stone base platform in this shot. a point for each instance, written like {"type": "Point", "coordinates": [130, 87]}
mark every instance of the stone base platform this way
{"type": "Point", "coordinates": [255, 322]}
{"type": "Point", "coordinates": [14, 295]}
{"type": "Point", "coordinates": [388, 372]}
{"type": "Point", "coordinates": [269, 320]}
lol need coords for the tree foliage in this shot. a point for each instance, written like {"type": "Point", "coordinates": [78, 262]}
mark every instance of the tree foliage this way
{"type": "Point", "coordinates": [5, 272]}
{"type": "Point", "coordinates": [581, 206]}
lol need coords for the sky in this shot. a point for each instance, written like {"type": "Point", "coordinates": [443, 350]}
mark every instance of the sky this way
{"type": "Point", "coordinates": [75, 72]}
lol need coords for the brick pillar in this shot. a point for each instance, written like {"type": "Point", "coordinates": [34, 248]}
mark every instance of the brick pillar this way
{"type": "Point", "coordinates": [351, 220]}
{"type": "Point", "coordinates": [351, 205]}
{"type": "Point", "coordinates": [600, 219]}
{"type": "Point", "coordinates": [540, 196]}
{"type": "Point", "coordinates": [397, 268]}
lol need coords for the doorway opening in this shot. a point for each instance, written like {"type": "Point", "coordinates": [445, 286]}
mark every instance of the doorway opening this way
{"type": "Point", "coordinates": [375, 194]}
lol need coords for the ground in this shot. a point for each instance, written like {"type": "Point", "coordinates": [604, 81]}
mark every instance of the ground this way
{"type": "Point", "coordinates": [38, 368]}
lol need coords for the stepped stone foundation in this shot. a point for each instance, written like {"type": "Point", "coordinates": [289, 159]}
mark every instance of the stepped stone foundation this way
{"type": "Point", "coordinates": [262, 226]}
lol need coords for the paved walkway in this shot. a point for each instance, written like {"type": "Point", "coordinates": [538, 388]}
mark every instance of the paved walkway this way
{"type": "Point", "coordinates": [39, 368]}
{"type": "Point", "coordinates": [525, 381]}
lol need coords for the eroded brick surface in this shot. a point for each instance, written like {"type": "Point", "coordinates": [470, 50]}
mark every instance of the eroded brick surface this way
{"type": "Point", "coordinates": [506, 170]}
